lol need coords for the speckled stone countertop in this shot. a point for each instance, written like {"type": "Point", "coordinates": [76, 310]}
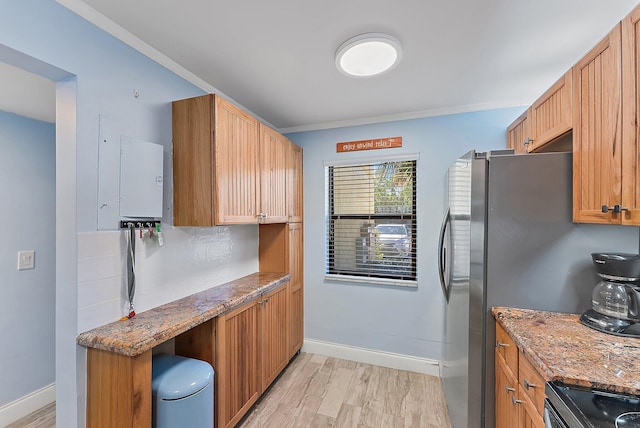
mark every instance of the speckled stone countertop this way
{"type": "Point", "coordinates": [563, 349]}
{"type": "Point", "coordinates": [150, 328]}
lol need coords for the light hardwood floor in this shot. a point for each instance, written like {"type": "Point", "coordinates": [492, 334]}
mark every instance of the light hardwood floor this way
{"type": "Point", "coordinates": [42, 418]}
{"type": "Point", "coordinates": [318, 391]}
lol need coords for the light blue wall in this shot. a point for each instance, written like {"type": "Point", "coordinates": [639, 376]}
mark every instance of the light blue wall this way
{"type": "Point", "coordinates": [106, 74]}
{"type": "Point", "coordinates": [386, 318]}
{"type": "Point", "coordinates": [27, 309]}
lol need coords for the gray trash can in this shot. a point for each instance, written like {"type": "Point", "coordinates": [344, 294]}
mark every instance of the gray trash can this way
{"type": "Point", "coordinates": [182, 390]}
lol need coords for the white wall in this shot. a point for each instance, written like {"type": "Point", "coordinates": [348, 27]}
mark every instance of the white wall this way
{"type": "Point", "coordinates": [386, 318]}
{"type": "Point", "coordinates": [27, 308]}
{"type": "Point", "coordinates": [89, 263]}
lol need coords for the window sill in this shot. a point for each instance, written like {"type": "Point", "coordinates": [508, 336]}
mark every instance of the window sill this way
{"type": "Point", "coordinates": [374, 281]}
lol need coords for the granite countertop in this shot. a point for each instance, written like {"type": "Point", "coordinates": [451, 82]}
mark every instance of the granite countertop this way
{"type": "Point", "coordinates": [150, 328]}
{"type": "Point", "coordinates": [563, 349]}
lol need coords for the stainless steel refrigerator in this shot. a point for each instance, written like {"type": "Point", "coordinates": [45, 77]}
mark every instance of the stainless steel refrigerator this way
{"type": "Point", "coordinates": [508, 240]}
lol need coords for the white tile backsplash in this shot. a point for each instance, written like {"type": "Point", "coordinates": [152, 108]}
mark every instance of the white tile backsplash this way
{"type": "Point", "coordinates": [192, 260]}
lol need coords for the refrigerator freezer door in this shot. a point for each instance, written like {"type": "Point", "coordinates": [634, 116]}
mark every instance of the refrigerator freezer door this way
{"type": "Point", "coordinates": [455, 359]}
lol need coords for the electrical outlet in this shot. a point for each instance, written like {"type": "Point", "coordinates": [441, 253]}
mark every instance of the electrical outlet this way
{"type": "Point", "coordinates": [26, 259]}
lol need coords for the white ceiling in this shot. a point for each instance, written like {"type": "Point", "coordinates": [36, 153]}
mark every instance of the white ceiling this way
{"type": "Point", "coordinates": [276, 58]}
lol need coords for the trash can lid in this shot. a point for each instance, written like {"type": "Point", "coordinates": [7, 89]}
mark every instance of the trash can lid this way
{"type": "Point", "coordinates": [175, 377]}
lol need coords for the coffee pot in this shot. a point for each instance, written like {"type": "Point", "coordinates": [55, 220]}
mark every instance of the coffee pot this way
{"type": "Point", "coordinates": [615, 300]}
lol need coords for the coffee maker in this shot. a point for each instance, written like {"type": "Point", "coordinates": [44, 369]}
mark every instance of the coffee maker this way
{"type": "Point", "coordinates": [615, 301]}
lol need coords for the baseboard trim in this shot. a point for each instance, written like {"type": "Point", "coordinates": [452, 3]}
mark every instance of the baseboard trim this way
{"type": "Point", "coordinates": [23, 406]}
{"type": "Point", "coordinates": [370, 356]}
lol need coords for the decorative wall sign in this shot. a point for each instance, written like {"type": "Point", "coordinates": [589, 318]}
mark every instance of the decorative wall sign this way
{"type": "Point", "coordinates": [376, 144]}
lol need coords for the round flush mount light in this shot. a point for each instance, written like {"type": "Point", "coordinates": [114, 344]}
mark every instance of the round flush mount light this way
{"type": "Point", "coordinates": [368, 55]}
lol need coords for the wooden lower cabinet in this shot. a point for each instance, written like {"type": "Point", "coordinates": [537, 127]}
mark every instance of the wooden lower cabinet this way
{"type": "Point", "coordinates": [250, 352]}
{"type": "Point", "coordinates": [519, 387]}
{"type": "Point", "coordinates": [274, 319]}
{"type": "Point", "coordinates": [281, 250]}
{"type": "Point", "coordinates": [528, 415]}
{"type": "Point", "coordinates": [118, 390]}
{"type": "Point", "coordinates": [506, 391]}
{"type": "Point", "coordinates": [237, 363]}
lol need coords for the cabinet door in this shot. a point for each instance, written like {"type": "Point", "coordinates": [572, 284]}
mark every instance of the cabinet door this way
{"type": "Point", "coordinates": [528, 415]}
{"type": "Point", "coordinates": [273, 335]}
{"type": "Point", "coordinates": [631, 116]}
{"type": "Point", "coordinates": [518, 134]}
{"type": "Point", "coordinates": [273, 176]}
{"type": "Point", "coordinates": [236, 165]}
{"type": "Point", "coordinates": [294, 183]}
{"type": "Point", "coordinates": [237, 364]}
{"type": "Point", "coordinates": [551, 114]}
{"type": "Point", "coordinates": [507, 415]}
{"type": "Point", "coordinates": [296, 297]}
{"type": "Point", "coordinates": [597, 132]}
{"type": "Point", "coordinates": [193, 162]}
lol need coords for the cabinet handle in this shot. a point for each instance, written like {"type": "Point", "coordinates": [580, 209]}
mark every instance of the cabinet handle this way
{"type": "Point", "coordinates": [515, 401]}
{"type": "Point", "coordinates": [266, 300]}
{"type": "Point", "coordinates": [528, 385]}
{"type": "Point", "coordinates": [509, 389]}
{"type": "Point", "coordinates": [261, 302]}
{"type": "Point", "coordinates": [501, 345]}
{"type": "Point", "coordinates": [527, 142]}
{"type": "Point", "coordinates": [616, 209]}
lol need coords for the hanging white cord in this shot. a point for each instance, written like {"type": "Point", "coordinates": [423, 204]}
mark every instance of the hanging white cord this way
{"type": "Point", "coordinates": [131, 269]}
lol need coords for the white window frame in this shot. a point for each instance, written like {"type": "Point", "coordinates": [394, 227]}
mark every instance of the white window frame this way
{"type": "Point", "coordinates": [411, 283]}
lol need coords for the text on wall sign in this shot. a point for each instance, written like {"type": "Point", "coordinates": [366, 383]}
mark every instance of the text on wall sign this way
{"type": "Point", "coordinates": [375, 144]}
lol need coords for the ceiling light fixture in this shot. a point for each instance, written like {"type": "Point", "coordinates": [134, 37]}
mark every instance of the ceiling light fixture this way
{"type": "Point", "coordinates": [368, 55]}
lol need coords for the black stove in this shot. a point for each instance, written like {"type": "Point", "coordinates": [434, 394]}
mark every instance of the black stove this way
{"type": "Point", "coordinates": [577, 407]}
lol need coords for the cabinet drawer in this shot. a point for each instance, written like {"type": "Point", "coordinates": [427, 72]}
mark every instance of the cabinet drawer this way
{"type": "Point", "coordinates": [506, 347]}
{"type": "Point", "coordinates": [532, 383]}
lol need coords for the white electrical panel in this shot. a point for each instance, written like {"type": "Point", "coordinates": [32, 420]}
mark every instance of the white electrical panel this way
{"type": "Point", "coordinates": [141, 178]}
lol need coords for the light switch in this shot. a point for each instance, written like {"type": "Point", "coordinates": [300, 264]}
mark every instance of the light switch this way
{"type": "Point", "coordinates": [26, 259]}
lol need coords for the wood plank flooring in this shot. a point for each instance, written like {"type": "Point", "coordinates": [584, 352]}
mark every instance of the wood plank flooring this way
{"type": "Point", "coordinates": [42, 418]}
{"type": "Point", "coordinates": [318, 391]}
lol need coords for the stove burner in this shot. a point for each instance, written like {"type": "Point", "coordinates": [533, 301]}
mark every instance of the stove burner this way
{"type": "Point", "coordinates": [628, 420]}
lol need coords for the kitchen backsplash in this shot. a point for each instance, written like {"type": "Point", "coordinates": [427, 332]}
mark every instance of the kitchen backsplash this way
{"type": "Point", "coordinates": [191, 260]}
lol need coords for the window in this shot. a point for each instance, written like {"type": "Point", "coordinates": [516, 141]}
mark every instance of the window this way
{"type": "Point", "coordinates": [371, 221]}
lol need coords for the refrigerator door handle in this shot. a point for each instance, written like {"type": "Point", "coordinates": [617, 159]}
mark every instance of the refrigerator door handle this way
{"type": "Point", "coordinates": [442, 254]}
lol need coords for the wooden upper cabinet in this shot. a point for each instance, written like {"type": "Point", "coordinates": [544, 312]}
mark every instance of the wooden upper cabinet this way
{"type": "Point", "coordinates": [236, 164]}
{"type": "Point", "coordinates": [630, 113]}
{"type": "Point", "coordinates": [294, 183]}
{"type": "Point", "coordinates": [518, 134]}
{"type": "Point", "coordinates": [215, 163]}
{"type": "Point", "coordinates": [273, 176]}
{"type": "Point", "coordinates": [547, 119]}
{"type": "Point", "coordinates": [597, 132]}
{"type": "Point", "coordinates": [550, 115]}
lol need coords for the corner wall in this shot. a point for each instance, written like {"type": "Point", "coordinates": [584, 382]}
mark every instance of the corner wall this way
{"type": "Point", "coordinates": [107, 72]}
{"type": "Point", "coordinates": [398, 320]}
{"type": "Point", "coordinates": [27, 297]}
